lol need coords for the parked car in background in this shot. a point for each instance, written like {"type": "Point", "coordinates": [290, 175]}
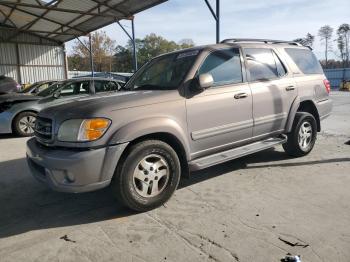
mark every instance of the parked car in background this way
{"type": "Point", "coordinates": [123, 77]}
{"type": "Point", "coordinates": [8, 85]}
{"type": "Point", "coordinates": [37, 87]}
{"type": "Point", "coordinates": [183, 111]}
{"type": "Point", "coordinates": [18, 111]}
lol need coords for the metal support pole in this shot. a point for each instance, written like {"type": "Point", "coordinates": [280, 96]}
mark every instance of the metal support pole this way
{"type": "Point", "coordinates": [217, 21]}
{"type": "Point", "coordinates": [132, 39]}
{"type": "Point", "coordinates": [134, 45]}
{"type": "Point", "coordinates": [216, 16]}
{"type": "Point", "coordinates": [91, 57]}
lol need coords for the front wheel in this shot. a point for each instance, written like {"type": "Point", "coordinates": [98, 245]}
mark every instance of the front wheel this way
{"type": "Point", "coordinates": [147, 176]}
{"type": "Point", "coordinates": [302, 138]}
{"type": "Point", "coordinates": [23, 124]}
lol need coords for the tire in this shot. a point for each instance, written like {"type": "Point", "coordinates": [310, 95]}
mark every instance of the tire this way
{"type": "Point", "coordinates": [23, 124]}
{"type": "Point", "coordinates": [146, 167]}
{"type": "Point", "coordinates": [302, 138]}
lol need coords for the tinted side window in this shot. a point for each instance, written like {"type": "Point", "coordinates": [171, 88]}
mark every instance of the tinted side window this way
{"type": "Point", "coordinates": [305, 60]}
{"type": "Point", "coordinates": [75, 88]}
{"type": "Point", "coordinates": [224, 66]}
{"type": "Point", "coordinates": [105, 86]}
{"type": "Point", "coordinates": [261, 64]}
{"type": "Point", "coordinates": [42, 87]}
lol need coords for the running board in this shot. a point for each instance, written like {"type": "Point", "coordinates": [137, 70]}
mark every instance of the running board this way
{"type": "Point", "coordinates": [234, 153]}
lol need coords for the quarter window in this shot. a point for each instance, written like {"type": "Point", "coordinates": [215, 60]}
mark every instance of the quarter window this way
{"type": "Point", "coordinates": [261, 64]}
{"type": "Point", "coordinates": [224, 66]}
{"type": "Point", "coordinates": [305, 60]}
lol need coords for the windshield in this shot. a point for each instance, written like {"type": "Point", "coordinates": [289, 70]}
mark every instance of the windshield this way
{"type": "Point", "coordinates": [50, 90]}
{"type": "Point", "coordinates": [163, 73]}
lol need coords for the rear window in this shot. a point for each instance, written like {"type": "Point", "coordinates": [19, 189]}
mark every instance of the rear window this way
{"type": "Point", "coordinates": [305, 60]}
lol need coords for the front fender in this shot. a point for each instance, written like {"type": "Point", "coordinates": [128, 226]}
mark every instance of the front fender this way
{"type": "Point", "coordinates": [149, 126]}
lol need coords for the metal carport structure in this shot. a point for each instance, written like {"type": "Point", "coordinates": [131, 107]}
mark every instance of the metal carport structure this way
{"type": "Point", "coordinates": [33, 32]}
{"type": "Point", "coordinates": [51, 23]}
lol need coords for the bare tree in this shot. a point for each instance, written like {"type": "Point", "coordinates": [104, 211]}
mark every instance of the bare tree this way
{"type": "Point", "coordinates": [103, 48]}
{"type": "Point", "coordinates": [325, 33]}
{"type": "Point", "coordinates": [343, 41]}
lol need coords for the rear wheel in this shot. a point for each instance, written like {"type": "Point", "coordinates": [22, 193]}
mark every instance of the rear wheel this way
{"type": "Point", "coordinates": [148, 175]}
{"type": "Point", "coordinates": [23, 124]}
{"type": "Point", "coordinates": [302, 138]}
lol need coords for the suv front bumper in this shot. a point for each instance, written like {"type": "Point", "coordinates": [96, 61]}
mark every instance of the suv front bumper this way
{"type": "Point", "coordinates": [72, 170]}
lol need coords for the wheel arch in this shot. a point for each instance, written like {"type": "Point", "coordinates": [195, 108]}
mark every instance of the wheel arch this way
{"type": "Point", "coordinates": [310, 107]}
{"type": "Point", "coordinates": [299, 105]}
{"type": "Point", "coordinates": [163, 129]}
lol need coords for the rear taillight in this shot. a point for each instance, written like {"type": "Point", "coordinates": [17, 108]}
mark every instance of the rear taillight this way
{"type": "Point", "coordinates": [327, 85]}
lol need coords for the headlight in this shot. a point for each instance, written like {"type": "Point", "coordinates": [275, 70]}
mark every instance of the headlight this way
{"type": "Point", "coordinates": [81, 130]}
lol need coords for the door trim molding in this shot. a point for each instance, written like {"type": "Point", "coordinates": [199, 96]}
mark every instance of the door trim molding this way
{"type": "Point", "coordinates": [270, 118]}
{"type": "Point", "coordinates": [220, 130]}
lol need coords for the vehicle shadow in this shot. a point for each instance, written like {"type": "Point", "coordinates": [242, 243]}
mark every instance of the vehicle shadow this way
{"type": "Point", "coordinates": [27, 205]}
{"type": "Point", "coordinates": [7, 136]}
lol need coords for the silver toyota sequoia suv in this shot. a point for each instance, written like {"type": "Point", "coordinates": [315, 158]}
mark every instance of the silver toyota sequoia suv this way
{"type": "Point", "coordinates": [181, 112]}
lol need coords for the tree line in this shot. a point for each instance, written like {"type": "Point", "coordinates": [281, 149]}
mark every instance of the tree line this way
{"type": "Point", "coordinates": [341, 39]}
{"type": "Point", "coordinates": [109, 57]}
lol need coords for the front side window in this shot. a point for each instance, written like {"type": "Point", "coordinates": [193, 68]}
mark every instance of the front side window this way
{"type": "Point", "coordinates": [75, 88]}
{"type": "Point", "coordinates": [224, 66]}
{"type": "Point", "coordinates": [42, 87]}
{"type": "Point", "coordinates": [305, 60]}
{"type": "Point", "coordinates": [163, 73]}
{"type": "Point", "coordinates": [51, 89]}
{"type": "Point", "coordinates": [261, 64]}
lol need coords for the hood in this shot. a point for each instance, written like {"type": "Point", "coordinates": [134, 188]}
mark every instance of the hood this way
{"type": "Point", "coordinates": [101, 105]}
{"type": "Point", "coordinates": [18, 97]}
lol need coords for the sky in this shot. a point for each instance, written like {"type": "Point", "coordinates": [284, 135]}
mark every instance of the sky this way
{"type": "Point", "coordinates": [274, 19]}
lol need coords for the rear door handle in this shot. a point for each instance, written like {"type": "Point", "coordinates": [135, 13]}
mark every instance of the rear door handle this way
{"type": "Point", "coordinates": [240, 95]}
{"type": "Point", "coordinates": [290, 88]}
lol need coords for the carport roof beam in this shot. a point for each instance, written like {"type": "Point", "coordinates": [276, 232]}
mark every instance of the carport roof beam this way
{"type": "Point", "coordinates": [63, 20]}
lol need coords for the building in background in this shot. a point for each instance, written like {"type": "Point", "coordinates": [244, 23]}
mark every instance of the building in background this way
{"type": "Point", "coordinates": [29, 58]}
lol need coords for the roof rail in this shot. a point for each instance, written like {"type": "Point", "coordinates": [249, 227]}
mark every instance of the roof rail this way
{"type": "Point", "coordinates": [266, 41]}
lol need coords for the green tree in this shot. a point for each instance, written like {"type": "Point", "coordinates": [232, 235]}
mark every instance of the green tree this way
{"type": "Point", "coordinates": [308, 40]}
{"type": "Point", "coordinates": [147, 48]}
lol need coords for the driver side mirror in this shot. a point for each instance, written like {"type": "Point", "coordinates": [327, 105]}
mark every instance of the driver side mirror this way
{"type": "Point", "coordinates": [205, 81]}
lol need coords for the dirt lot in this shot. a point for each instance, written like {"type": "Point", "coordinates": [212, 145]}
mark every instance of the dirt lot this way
{"type": "Point", "coordinates": [251, 209]}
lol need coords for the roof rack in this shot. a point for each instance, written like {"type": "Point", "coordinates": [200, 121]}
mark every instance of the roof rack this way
{"type": "Point", "coordinates": [266, 41]}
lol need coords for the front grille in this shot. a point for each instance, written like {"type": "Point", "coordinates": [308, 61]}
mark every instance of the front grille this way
{"type": "Point", "coordinates": [43, 129]}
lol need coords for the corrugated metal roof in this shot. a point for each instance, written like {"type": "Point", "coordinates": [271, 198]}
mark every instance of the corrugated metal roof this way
{"type": "Point", "coordinates": [63, 20]}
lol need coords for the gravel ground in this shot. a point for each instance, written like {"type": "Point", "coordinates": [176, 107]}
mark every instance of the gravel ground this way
{"type": "Point", "coordinates": [252, 209]}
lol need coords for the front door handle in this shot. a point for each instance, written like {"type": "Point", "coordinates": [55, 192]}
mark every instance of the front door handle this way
{"type": "Point", "coordinates": [240, 95]}
{"type": "Point", "coordinates": [290, 88]}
